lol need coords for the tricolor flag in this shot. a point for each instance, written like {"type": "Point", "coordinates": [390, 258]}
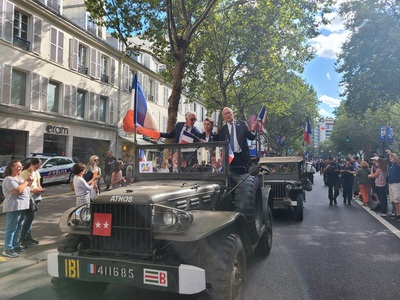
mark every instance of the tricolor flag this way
{"type": "Point", "coordinates": [262, 115]}
{"type": "Point", "coordinates": [142, 156]}
{"type": "Point", "coordinates": [231, 154]}
{"type": "Point", "coordinates": [91, 268]}
{"type": "Point", "coordinates": [140, 117]}
{"type": "Point", "coordinates": [307, 132]}
{"type": "Point", "coordinates": [187, 137]}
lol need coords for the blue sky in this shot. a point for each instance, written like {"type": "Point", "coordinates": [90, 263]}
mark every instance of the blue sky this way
{"type": "Point", "coordinates": [320, 72]}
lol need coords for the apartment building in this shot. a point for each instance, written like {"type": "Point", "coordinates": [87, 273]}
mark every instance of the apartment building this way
{"type": "Point", "coordinates": [322, 131]}
{"type": "Point", "coordinates": [65, 86]}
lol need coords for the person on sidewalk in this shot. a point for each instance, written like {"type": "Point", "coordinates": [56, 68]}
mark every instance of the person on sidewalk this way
{"type": "Point", "coordinates": [16, 201]}
{"type": "Point", "coordinates": [347, 174]}
{"type": "Point", "coordinates": [109, 162]}
{"type": "Point", "coordinates": [332, 171]}
{"type": "Point", "coordinates": [364, 183]}
{"type": "Point", "coordinates": [394, 183]}
{"type": "Point", "coordinates": [380, 176]}
{"type": "Point", "coordinates": [36, 195]}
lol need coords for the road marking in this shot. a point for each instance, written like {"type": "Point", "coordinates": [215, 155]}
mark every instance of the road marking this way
{"type": "Point", "coordinates": [3, 259]}
{"type": "Point", "coordinates": [380, 219]}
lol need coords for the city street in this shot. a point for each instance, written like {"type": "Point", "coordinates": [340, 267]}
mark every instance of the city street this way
{"type": "Point", "coordinates": [337, 252]}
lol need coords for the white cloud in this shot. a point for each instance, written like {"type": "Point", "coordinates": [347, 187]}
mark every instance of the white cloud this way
{"type": "Point", "coordinates": [323, 113]}
{"type": "Point", "coordinates": [328, 76]}
{"type": "Point", "coordinates": [329, 43]}
{"type": "Point", "coordinates": [330, 101]}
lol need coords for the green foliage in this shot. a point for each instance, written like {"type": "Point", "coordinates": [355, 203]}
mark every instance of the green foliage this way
{"type": "Point", "coordinates": [370, 64]}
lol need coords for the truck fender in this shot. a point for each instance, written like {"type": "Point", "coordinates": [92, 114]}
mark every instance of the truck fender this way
{"type": "Point", "coordinates": [206, 223]}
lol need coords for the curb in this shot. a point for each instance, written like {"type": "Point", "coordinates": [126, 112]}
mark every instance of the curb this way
{"type": "Point", "coordinates": [13, 265]}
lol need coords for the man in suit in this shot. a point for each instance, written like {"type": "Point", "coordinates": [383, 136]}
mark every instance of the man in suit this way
{"type": "Point", "coordinates": [178, 133]}
{"type": "Point", "coordinates": [237, 133]}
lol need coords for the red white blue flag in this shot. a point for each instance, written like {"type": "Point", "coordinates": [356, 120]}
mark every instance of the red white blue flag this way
{"type": "Point", "coordinates": [231, 154]}
{"type": "Point", "coordinates": [262, 115]}
{"type": "Point", "coordinates": [140, 117]}
{"type": "Point", "coordinates": [307, 132]}
{"type": "Point", "coordinates": [187, 137]}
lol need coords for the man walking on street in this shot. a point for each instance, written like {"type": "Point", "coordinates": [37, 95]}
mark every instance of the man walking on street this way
{"type": "Point", "coordinates": [109, 161]}
{"type": "Point", "coordinates": [332, 171]}
{"type": "Point", "coordinates": [347, 172]}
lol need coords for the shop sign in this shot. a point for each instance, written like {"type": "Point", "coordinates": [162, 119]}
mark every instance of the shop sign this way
{"type": "Point", "coordinates": [57, 129]}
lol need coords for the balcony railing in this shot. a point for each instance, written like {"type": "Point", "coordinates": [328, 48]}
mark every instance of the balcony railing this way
{"type": "Point", "coordinates": [83, 70]}
{"type": "Point", "coordinates": [104, 78]}
{"type": "Point", "coordinates": [21, 43]}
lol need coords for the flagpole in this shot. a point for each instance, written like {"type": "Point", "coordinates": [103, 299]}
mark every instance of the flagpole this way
{"type": "Point", "coordinates": [135, 86]}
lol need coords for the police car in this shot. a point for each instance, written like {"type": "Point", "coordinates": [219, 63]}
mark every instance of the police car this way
{"type": "Point", "coordinates": [53, 168]}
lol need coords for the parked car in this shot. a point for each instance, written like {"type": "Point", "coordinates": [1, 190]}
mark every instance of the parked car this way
{"type": "Point", "coordinates": [53, 168]}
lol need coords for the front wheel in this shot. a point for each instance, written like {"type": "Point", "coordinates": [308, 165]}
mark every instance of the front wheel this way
{"type": "Point", "coordinates": [298, 210]}
{"type": "Point", "coordinates": [264, 245]}
{"type": "Point", "coordinates": [225, 265]}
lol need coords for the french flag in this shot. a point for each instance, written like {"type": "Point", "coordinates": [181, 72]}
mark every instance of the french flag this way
{"type": "Point", "coordinates": [140, 117]}
{"type": "Point", "coordinates": [307, 132]}
{"type": "Point", "coordinates": [262, 115]}
{"type": "Point", "coordinates": [142, 156]}
{"type": "Point", "coordinates": [186, 137]}
{"type": "Point", "coordinates": [231, 154]}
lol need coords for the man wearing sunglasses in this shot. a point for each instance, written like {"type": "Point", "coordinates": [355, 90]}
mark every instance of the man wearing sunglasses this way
{"type": "Point", "coordinates": [184, 132]}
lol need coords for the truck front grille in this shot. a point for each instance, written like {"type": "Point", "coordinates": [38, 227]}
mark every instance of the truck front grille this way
{"type": "Point", "coordinates": [131, 230]}
{"type": "Point", "coordinates": [278, 190]}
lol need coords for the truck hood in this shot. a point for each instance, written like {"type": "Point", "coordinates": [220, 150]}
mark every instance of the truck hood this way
{"type": "Point", "coordinates": [163, 192]}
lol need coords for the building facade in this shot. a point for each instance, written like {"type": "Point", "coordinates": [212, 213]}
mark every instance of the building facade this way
{"type": "Point", "coordinates": [322, 131]}
{"type": "Point", "coordinates": [65, 86]}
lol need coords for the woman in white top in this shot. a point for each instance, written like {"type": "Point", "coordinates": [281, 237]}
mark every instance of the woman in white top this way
{"type": "Point", "coordinates": [82, 188]}
{"type": "Point", "coordinates": [16, 201]}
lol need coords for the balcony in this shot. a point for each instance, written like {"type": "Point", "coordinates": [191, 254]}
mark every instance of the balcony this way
{"type": "Point", "coordinates": [104, 78]}
{"type": "Point", "coordinates": [21, 43]}
{"type": "Point", "coordinates": [83, 70]}
{"type": "Point", "coordinates": [53, 5]}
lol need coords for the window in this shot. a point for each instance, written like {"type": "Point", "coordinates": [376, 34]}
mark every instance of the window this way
{"type": "Point", "coordinates": [18, 88]}
{"type": "Point", "coordinates": [53, 95]}
{"type": "Point", "coordinates": [80, 104]}
{"type": "Point", "coordinates": [165, 97]}
{"type": "Point", "coordinates": [56, 45]}
{"type": "Point", "coordinates": [21, 30]}
{"type": "Point", "coordinates": [102, 109]}
{"type": "Point", "coordinates": [104, 69]}
{"type": "Point", "coordinates": [82, 59]}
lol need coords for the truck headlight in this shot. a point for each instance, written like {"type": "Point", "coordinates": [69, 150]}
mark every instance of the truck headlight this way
{"type": "Point", "coordinates": [289, 187]}
{"type": "Point", "coordinates": [167, 219]}
{"type": "Point", "coordinates": [85, 214]}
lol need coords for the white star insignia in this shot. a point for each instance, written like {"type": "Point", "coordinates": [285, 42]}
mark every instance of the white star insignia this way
{"type": "Point", "coordinates": [105, 224]}
{"type": "Point", "coordinates": [98, 224]}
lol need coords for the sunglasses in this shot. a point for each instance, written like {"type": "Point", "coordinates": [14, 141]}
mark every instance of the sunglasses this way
{"type": "Point", "coordinates": [193, 119]}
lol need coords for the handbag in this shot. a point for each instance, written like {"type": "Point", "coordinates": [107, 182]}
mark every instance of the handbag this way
{"type": "Point", "coordinates": [32, 206]}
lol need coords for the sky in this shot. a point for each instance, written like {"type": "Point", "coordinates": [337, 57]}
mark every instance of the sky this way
{"type": "Point", "coordinates": [320, 72]}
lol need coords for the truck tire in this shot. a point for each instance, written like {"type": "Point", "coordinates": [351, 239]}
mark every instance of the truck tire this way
{"type": "Point", "coordinates": [68, 289]}
{"type": "Point", "coordinates": [298, 210]}
{"type": "Point", "coordinates": [264, 245]}
{"type": "Point", "coordinates": [71, 242]}
{"type": "Point", "coordinates": [225, 264]}
{"type": "Point", "coordinates": [248, 201]}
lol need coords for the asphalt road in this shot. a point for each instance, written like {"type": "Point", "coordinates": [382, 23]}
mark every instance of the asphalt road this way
{"type": "Point", "coordinates": [337, 252]}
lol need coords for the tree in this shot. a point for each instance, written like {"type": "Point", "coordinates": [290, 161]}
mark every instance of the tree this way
{"type": "Point", "coordinates": [168, 25]}
{"type": "Point", "coordinates": [249, 50]}
{"type": "Point", "coordinates": [369, 63]}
